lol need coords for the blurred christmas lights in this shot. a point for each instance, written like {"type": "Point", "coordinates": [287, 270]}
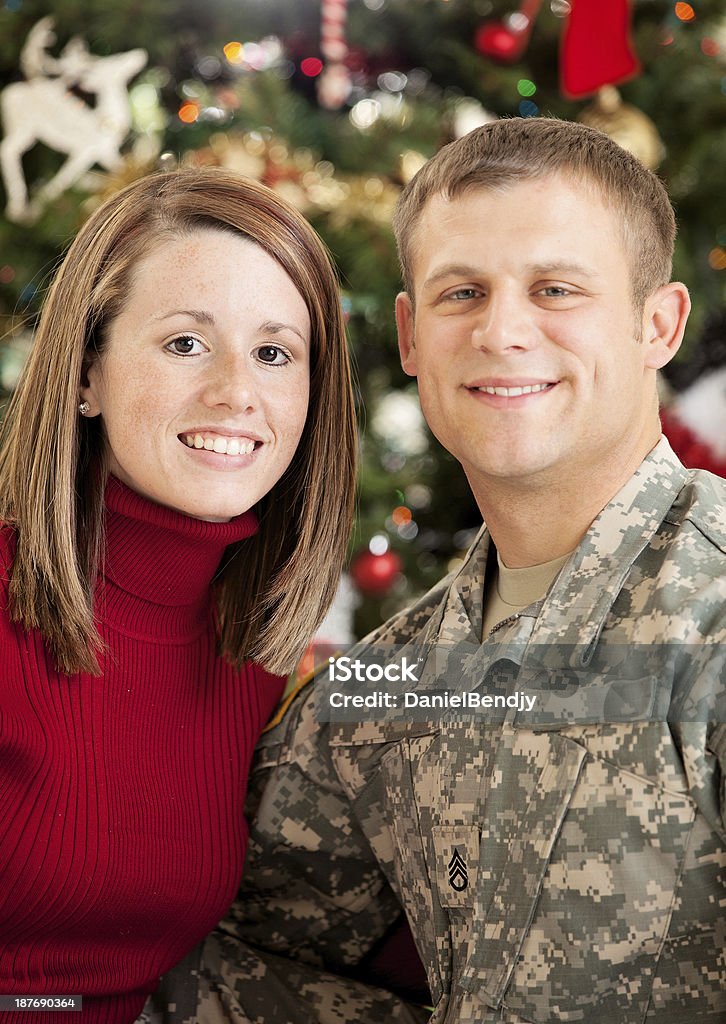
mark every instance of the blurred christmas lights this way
{"type": "Point", "coordinates": [684, 12]}
{"type": "Point", "coordinates": [311, 66]}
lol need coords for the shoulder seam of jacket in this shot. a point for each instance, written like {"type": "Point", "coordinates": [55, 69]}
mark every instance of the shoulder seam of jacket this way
{"type": "Point", "coordinates": [285, 704]}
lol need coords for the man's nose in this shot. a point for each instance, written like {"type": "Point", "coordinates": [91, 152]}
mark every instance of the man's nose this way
{"type": "Point", "coordinates": [506, 323]}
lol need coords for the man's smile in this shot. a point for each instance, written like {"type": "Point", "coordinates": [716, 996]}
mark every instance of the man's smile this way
{"type": "Point", "coordinates": [512, 390]}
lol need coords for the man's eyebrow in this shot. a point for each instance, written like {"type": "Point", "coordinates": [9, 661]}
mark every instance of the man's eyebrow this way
{"type": "Point", "coordinates": [202, 316]}
{"type": "Point", "coordinates": [452, 270]}
{"type": "Point", "coordinates": [562, 267]}
{"type": "Point", "coordinates": [468, 271]}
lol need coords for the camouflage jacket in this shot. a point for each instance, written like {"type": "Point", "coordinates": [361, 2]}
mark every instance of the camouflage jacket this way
{"type": "Point", "coordinates": [566, 867]}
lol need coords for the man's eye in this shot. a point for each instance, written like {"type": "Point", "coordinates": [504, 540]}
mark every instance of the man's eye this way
{"type": "Point", "coordinates": [463, 294]}
{"type": "Point", "coordinates": [555, 291]}
{"type": "Point", "coordinates": [185, 345]}
{"type": "Point", "coordinates": [272, 355]}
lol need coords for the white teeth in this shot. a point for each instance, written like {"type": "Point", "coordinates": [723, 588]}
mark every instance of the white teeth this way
{"type": "Point", "coordinates": [526, 389]}
{"type": "Point", "coordinates": [220, 445]}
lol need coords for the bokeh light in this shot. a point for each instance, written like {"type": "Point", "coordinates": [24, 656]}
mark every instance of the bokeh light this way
{"type": "Point", "coordinates": [189, 112]}
{"type": "Point", "coordinates": [365, 113]}
{"type": "Point", "coordinates": [525, 87]}
{"type": "Point", "coordinates": [254, 56]}
{"type": "Point", "coordinates": [234, 52]}
{"type": "Point", "coordinates": [311, 66]}
{"type": "Point", "coordinates": [392, 81]}
{"type": "Point", "coordinates": [717, 258]}
{"type": "Point", "coordinates": [378, 544]}
{"type": "Point", "coordinates": [684, 12]}
{"type": "Point", "coordinates": [209, 67]}
{"type": "Point", "coordinates": [401, 515]}
{"type": "Point", "coordinates": [561, 8]}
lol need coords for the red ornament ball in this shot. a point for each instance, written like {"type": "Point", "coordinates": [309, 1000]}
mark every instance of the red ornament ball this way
{"type": "Point", "coordinates": [497, 40]}
{"type": "Point", "coordinates": [374, 574]}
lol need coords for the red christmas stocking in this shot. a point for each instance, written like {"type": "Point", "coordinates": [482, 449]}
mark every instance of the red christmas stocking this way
{"type": "Point", "coordinates": [596, 47]}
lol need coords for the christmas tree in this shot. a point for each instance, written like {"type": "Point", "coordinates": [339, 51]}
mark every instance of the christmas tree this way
{"type": "Point", "coordinates": [337, 105]}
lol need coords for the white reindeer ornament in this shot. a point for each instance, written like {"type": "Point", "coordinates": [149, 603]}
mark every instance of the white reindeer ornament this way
{"type": "Point", "coordinates": [42, 109]}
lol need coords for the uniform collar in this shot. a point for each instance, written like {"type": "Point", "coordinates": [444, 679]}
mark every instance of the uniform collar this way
{"type": "Point", "coordinates": [576, 606]}
{"type": "Point", "coordinates": [575, 609]}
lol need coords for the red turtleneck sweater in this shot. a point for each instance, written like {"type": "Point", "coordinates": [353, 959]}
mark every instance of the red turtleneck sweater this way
{"type": "Point", "coordinates": [121, 830]}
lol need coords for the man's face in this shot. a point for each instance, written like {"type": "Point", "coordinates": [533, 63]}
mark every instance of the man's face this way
{"type": "Point", "coordinates": [524, 339]}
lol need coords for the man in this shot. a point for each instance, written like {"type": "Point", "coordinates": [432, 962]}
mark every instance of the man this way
{"type": "Point", "coordinates": [569, 865]}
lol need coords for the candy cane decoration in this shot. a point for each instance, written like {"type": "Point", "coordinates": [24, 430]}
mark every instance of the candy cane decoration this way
{"type": "Point", "coordinates": [334, 83]}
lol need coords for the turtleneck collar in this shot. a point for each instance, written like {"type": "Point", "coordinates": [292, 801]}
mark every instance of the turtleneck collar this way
{"type": "Point", "coordinates": [159, 564]}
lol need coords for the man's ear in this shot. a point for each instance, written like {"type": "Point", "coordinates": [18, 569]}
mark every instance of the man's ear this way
{"type": "Point", "coordinates": [664, 321]}
{"type": "Point", "coordinates": [406, 332]}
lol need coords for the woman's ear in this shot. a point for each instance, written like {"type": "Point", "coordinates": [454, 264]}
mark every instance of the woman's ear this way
{"type": "Point", "coordinates": [664, 322]}
{"type": "Point", "coordinates": [89, 389]}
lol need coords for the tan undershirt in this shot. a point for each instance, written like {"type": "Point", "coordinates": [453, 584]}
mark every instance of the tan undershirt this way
{"type": "Point", "coordinates": [511, 590]}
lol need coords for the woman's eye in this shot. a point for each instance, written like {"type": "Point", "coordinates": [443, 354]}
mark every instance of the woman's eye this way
{"type": "Point", "coordinates": [272, 355]}
{"type": "Point", "coordinates": [185, 345]}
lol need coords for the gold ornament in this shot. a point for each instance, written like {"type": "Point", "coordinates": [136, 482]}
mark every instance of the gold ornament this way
{"type": "Point", "coordinates": [312, 185]}
{"type": "Point", "coordinates": [410, 163]}
{"type": "Point", "coordinates": [365, 198]}
{"type": "Point", "coordinates": [142, 160]}
{"type": "Point", "coordinates": [626, 125]}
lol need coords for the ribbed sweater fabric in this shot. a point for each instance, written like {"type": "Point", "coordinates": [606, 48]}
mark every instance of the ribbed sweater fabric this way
{"type": "Point", "coordinates": [122, 836]}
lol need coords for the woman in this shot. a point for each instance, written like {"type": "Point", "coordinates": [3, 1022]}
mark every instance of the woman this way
{"type": "Point", "coordinates": [176, 481]}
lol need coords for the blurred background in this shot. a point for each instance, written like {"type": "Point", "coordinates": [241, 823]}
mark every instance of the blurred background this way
{"type": "Point", "coordinates": [337, 105]}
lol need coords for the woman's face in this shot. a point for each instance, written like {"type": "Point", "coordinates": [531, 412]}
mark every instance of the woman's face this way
{"type": "Point", "coordinates": [203, 383]}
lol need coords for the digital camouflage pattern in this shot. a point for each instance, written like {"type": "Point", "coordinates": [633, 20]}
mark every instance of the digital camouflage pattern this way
{"type": "Point", "coordinates": [573, 871]}
{"type": "Point", "coordinates": [224, 981]}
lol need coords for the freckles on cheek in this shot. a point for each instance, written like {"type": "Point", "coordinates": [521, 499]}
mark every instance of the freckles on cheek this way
{"type": "Point", "coordinates": [143, 394]}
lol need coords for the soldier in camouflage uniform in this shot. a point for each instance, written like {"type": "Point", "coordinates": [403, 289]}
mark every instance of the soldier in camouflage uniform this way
{"type": "Point", "coordinates": [570, 864]}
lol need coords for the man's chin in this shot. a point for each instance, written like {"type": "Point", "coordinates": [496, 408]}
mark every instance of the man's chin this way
{"type": "Point", "coordinates": [514, 467]}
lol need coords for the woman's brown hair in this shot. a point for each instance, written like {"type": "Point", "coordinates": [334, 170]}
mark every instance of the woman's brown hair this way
{"type": "Point", "coordinates": [273, 589]}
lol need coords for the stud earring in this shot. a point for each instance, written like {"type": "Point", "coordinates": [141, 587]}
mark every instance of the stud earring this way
{"type": "Point", "coordinates": [84, 408]}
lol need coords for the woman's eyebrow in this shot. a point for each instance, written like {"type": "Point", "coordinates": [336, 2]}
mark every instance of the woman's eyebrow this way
{"type": "Point", "coordinates": [202, 316]}
{"type": "Point", "coordinates": [273, 327]}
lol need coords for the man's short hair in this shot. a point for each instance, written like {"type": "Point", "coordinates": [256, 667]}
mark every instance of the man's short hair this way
{"type": "Point", "coordinates": [505, 152]}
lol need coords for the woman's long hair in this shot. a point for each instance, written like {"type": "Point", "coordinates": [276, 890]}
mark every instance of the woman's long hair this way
{"type": "Point", "coordinates": [273, 589]}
